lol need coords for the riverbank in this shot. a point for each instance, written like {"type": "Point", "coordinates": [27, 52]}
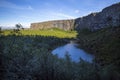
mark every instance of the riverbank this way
{"type": "Point", "coordinates": [30, 57]}
{"type": "Point", "coordinates": [104, 44]}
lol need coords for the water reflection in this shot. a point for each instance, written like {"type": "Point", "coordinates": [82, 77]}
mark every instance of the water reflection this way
{"type": "Point", "coordinates": [74, 52]}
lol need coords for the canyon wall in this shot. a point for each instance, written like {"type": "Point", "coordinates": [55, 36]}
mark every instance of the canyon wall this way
{"type": "Point", "coordinates": [109, 16]}
{"type": "Point", "coordinates": [62, 24]}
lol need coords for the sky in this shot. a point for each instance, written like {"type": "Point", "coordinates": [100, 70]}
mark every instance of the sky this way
{"type": "Point", "coordinates": [26, 12]}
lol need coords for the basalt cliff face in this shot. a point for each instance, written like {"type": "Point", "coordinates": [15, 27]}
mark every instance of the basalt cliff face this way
{"type": "Point", "coordinates": [109, 16]}
{"type": "Point", "coordinates": [62, 24]}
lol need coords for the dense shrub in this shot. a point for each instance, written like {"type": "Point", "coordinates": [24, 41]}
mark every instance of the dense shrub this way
{"type": "Point", "coordinates": [30, 58]}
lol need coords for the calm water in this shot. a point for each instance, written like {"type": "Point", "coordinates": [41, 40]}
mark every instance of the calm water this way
{"type": "Point", "coordinates": [74, 53]}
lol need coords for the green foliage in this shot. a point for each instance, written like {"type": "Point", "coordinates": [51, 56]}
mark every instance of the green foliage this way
{"type": "Point", "coordinates": [84, 31]}
{"type": "Point", "coordinates": [104, 44]}
{"type": "Point", "coordinates": [18, 26]}
{"type": "Point", "coordinates": [49, 32]}
{"type": "Point", "coordinates": [29, 57]}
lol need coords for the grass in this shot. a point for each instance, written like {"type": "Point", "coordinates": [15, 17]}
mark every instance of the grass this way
{"type": "Point", "coordinates": [49, 32]}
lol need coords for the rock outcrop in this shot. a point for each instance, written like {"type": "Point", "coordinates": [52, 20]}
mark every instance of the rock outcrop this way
{"type": "Point", "coordinates": [62, 24]}
{"type": "Point", "coordinates": [109, 16]}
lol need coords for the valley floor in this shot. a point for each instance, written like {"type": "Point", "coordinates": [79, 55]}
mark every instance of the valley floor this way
{"type": "Point", "coordinates": [29, 57]}
{"type": "Point", "coordinates": [48, 32]}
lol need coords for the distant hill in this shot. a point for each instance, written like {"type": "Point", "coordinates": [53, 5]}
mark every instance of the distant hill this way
{"type": "Point", "coordinates": [109, 16]}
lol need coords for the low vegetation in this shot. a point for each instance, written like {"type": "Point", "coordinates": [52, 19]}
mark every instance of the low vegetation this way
{"type": "Point", "coordinates": [28, 57]}
{"type": "Point", "coordinates": [47, 32]}
{"type": "Point", "coordinates": [104, 43]}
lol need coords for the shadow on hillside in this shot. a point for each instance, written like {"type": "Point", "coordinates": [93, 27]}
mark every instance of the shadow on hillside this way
{"type": "Point", "coordinates": [16, 52]}
{"type": "Point", "coordinates": [29, 57]}
{"type": "Point", "coordinates": [103, 43]}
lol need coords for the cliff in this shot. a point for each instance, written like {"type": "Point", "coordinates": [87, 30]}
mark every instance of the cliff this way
{"type": "Point", "coordinates": [62, 24]}
{"type": "Point", "coordinates": [109, 16]}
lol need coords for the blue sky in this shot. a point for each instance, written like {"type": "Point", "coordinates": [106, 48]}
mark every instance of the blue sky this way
{"type": "Point", "coordinates": [29, 11]}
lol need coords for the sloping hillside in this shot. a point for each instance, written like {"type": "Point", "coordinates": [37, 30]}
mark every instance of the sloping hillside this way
{"type": "Point", "coordinates": [104, 44]}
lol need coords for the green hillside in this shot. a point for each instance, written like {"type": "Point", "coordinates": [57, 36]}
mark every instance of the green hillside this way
{"type": "Point", "coordinates": [48, 32]}
{"type": "Point", "coordinates": [104, 44]}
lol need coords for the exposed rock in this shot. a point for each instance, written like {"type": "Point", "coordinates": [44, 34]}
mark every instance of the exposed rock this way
{"type": "Point", "coordinates": [62, 24]}
{"type": "Point", "coordinates": [109, 16]}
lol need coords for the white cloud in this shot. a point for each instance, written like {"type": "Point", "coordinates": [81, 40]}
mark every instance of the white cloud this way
{"type": "Point", "coordinates": [7, 4]}
{"type": "Point", "coordinates": [77, 11]}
